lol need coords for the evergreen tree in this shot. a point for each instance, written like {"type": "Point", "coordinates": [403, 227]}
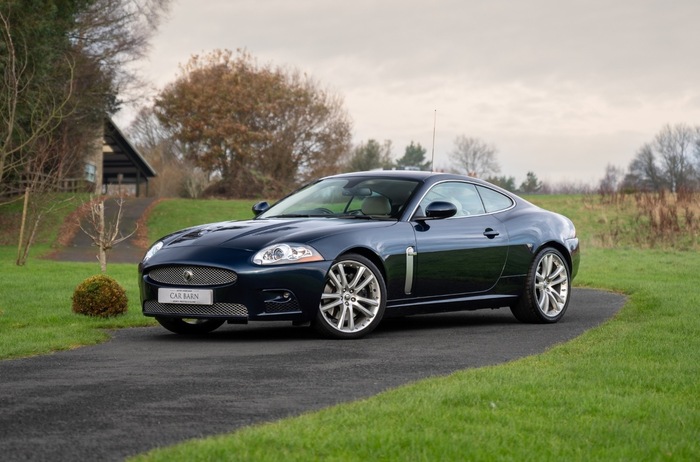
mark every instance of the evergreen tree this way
{"type": "Point", "coordinates": [414, 158]}
{"type": "Point", "coordinates": [531, 184]}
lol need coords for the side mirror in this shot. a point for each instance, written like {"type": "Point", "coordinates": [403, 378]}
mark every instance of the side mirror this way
{"type": "Point", "coordinates": [440, 209]}
{"type": "Point", "coordinates": [260, 207]}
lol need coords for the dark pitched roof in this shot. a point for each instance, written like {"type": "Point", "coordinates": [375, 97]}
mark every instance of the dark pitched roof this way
{"type": "Point", "coordinates": [121, 157]}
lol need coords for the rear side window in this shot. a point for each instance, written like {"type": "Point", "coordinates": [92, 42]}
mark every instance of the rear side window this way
{"type": "Point", "coordinates": [493, 200]}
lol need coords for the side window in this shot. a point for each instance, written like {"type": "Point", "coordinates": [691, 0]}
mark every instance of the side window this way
{"type": "Point", "coordinates": [493, 200]}
{"type": "Point", "coordinates": [462, 195]}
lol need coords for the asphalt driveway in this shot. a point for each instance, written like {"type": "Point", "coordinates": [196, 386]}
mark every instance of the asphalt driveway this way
{"type": "Point", "coordinates": [148, 388]}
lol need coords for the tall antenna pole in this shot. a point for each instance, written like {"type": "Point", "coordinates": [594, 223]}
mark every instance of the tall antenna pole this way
{"type": "Point", "coordinates": [432, 155]}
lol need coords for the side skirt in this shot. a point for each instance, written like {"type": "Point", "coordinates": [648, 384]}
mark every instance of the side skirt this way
{"type": "Point", "coordinates": [404, 307]}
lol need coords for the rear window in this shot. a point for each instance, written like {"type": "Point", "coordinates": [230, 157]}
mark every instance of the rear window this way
{"type": "Point", "coordinates": [494, 201]}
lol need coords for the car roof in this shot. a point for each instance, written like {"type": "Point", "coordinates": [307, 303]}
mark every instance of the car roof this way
{"type": "Point", "coordinates": [418, 175]}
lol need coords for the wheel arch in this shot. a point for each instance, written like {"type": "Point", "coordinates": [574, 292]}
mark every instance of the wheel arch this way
{"type": "Point", "coordinates": [368, 254]}
{"type": "Point", "coordinates": [562, 250]}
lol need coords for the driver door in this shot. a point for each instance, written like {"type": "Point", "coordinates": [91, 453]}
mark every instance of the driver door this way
{"type": "Point", "coordinates": [463, 254]}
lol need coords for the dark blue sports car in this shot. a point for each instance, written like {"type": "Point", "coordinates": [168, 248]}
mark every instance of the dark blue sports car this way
{"type": "Point", "coordinates": [346, 251]}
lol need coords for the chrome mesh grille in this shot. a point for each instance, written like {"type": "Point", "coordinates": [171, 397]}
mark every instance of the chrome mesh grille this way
{"type": "Point", "coordinates": [217, 309]}
{"type": "Point", "coordinates": [183, 275]}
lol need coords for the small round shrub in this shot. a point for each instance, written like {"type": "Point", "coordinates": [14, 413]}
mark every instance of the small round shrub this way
{"type": "Point", "coordinates": [100, 296]}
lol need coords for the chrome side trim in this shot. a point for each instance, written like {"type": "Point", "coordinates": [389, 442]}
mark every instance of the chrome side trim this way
{"type": "Point", "coordinates": [410, 253]}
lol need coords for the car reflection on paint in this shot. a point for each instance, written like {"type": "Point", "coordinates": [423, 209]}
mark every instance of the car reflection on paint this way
{"type": "Point", "coordinates": [346, 251]}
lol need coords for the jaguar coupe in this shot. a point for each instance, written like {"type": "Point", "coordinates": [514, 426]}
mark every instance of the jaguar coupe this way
{"type": "Point", "coordinates": [345, 251]}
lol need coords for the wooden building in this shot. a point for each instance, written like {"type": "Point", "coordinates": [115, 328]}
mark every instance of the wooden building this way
{"type": "Point", "coordinates": [118, 168]}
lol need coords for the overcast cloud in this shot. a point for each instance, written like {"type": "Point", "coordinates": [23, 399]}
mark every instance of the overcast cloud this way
{"type": "Point", "coordinates": [562, 88]}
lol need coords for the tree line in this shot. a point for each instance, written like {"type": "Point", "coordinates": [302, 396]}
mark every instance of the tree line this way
{"type": "Point", "coordinates": [227, 125]}
{"type": "Point", "coordinates": [669, 162]}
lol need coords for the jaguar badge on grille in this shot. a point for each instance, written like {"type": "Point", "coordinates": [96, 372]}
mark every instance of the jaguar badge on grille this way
{"type": "Point", "coordinates": [187, 275]}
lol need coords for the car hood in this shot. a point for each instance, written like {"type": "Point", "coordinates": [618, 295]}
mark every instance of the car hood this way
{"type": "Point", "coordinates": [255, 234]}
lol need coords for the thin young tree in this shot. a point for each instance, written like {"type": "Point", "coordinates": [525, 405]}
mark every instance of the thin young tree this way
{"type": "Point", "coordinates": [103, 233]}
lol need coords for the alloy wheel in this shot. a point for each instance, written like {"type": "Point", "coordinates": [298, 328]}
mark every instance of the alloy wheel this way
{"type": "Point", "coordinates": [352, 297]}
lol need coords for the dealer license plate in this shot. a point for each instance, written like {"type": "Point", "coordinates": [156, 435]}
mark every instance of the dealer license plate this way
{"type": "Point", "coordinates": [186, 296]}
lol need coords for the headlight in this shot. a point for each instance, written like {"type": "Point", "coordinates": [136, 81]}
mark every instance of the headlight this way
{"type": "Point", "coordinates": [152, 251]}
{"type": "Point", "coordinates": [280, 254]}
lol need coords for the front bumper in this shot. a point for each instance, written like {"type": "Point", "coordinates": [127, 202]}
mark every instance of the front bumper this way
{"type": "Point", "coordinates": [238, 293]}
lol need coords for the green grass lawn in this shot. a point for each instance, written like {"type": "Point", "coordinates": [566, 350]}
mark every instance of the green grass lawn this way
{"type": "Point", "coordinates": [35, 306]}
{"type": "Point", "coordinates": [628, 390]}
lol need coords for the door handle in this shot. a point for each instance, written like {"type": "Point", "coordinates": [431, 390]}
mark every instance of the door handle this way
{"type": "Point", "coordinates": [491, 233]}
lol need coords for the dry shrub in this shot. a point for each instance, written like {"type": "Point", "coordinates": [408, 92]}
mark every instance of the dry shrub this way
{"type": "Point", "coordinates": [100, 296]}
{"type": "Point", "coordinates": [667, 219]}
{"type": "Point", "coordinates": [646, 219]}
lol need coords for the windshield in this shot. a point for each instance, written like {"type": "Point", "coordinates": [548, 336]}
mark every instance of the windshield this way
{"type": "Point", "coordinates": [361, 197]}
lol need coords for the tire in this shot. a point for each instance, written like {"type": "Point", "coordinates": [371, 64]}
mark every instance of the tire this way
{"type": "Point", "coordinates": [353, 299]}
{"type": "Point", "coordinates": [547, 289]}
{"type": "Point", "coordinates": [190, 326]}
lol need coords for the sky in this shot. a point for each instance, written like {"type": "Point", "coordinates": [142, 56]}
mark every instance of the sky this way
{"type": "Point", "coordinates": [562, 88]}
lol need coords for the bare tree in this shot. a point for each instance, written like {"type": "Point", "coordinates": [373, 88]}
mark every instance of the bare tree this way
{"type": "Point", "coordinates": [609, 185]}
{"type": "Point", "coordinates": [474, 157]}
{"type": "Point", "coordinates": [41, 178]}
{"type": "Point", "coordinates": [674, 145]}
{"type": "Point", "coordinates": [115, 33]}
{"type": "Point", "coordinates": [667, 162]}
{"type": "Point", "coordinates": [104, 235]}
{"type": "Point", "coordinates": [177, 175]}
{"type": "Point", "coordinates": [644, 174]}
{"type": "Point", "coordinates": [610, 182]}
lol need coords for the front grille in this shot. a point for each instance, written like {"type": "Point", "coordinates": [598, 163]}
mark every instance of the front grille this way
{"type": "Point", "coordinates": [183, 275]}
{"type": "Point", "coordinates": [282, 307]}
{"type": "Point", "coordinates": [152, 307]}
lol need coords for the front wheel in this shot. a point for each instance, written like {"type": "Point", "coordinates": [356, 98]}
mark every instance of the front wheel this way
{"type": "Point", "coordinates": [547, 288]}
{"type": "Point", "coordinates": [353, 299]}
{"type": "Point", "coordinates": [189, 326]}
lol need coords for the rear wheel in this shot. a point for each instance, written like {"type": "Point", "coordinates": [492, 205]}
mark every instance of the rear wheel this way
{"type": "Point", "coordinates": [547, 288]}
{"type": "Point", "coordinates": [188, 326]}
{"type": "Point", "coordinates": [353, 299]}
